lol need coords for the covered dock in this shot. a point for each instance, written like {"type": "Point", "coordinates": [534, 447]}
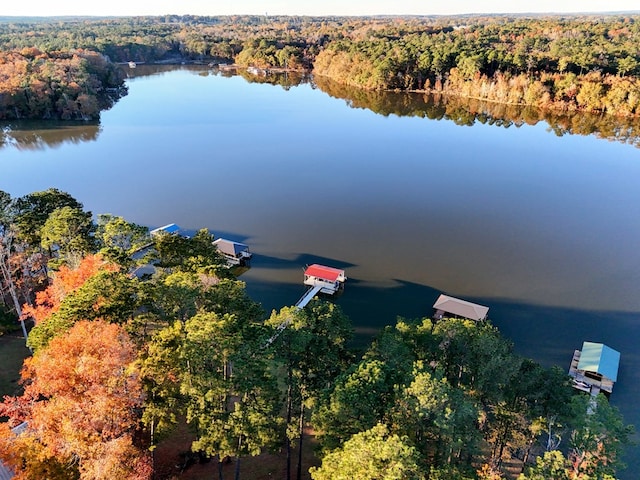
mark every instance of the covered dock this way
{"type": "Point", "coordinates": [171, 229]}
{"type": "Point", "coordinates": [459, 308]}
{"type": "Point", "coordinates": [321, 279]}
{"type": "Point", "coordinates": [235, 253]}
{"type": "Point", "coordinates": [328, 278]}
{"type": "Point", "coordinates": [594, 368]}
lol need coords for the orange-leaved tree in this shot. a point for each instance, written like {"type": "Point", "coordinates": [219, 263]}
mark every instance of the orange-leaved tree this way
{"type": "Point", "coordinates": [81, 402]}
{"type": "Point", "coordinates": [65, 281]}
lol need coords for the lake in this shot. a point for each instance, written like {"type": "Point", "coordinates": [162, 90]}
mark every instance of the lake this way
{"type": "Point", "coordinates": [540, 227]}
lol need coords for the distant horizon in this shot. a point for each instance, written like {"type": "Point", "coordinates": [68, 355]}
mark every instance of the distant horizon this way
{"type": "Point", "coordinates": [373, 15]}
{"type": "Point", "coordinates": [327, 8]}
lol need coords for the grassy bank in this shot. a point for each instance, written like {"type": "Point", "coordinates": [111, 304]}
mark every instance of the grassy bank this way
{"type": "Point", "coordinates": [12, 353]}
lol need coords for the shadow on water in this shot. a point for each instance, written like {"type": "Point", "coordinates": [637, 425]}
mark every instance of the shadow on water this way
{"type": "Point", "coordinates": [301, 260]}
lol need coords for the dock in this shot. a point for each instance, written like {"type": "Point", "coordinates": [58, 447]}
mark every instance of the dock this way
{"type": "Point", "coordinates": [170, 229]}
{"type": "Point", "coordinates": [459, 309]}
{"type": "Point", "coordinates": [308, 295]}
{"type": "Point", "coordinates": [594, 369]}
{"type": "Point", "coordinates": [235, 253]}
{"type": "Point", "coordinates": [330, 279]}
{"type": "Point", "coordinates": [320, 279]}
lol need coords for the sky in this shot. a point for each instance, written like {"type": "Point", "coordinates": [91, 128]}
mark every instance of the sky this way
{"type": "Point", "coordinates": [306, 7]}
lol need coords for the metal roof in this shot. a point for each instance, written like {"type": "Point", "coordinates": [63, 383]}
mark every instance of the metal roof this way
{"type": "Point", "coordinates": [598, 358]}
{"type": "Point", "coordinates": [170, 228]}
{"type": "Point", "coordinates": [5, 472]}
{"type": "Point", "coordinates": [230, 247]}
{"type": "Point", "coordinates": [461, 308]}
{"type": "Point", "coordinates": [326, 273]}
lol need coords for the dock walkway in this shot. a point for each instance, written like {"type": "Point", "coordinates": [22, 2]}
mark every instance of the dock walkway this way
{"type": "Point", "coordinates": [308, 295]}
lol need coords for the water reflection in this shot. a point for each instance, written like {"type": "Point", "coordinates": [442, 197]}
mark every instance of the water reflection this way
{"type": "Point", "coordinates": [39, 135]}
{"type": "Point", "coordinates": [36, 135]}
{"type": "Point", "coordinates": [286, 80]}
{"type": "Point", "coordinates": [467, 112]}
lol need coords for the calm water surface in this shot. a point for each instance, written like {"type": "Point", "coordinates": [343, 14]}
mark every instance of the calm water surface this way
{"type": "Point", "coordinates": [542, 229]}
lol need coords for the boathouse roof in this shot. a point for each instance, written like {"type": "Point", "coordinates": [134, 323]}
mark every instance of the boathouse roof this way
{"type": "Point", "coordinates": [598, 358]}
{"type": "Point", "coordinates": [229, 247]}
{"type": "Point", "coordinates": [170, 228]}
{"type": "Point", "coordinates": [326, 273]}
{"type": "Point", "coordinates": [461, 308]}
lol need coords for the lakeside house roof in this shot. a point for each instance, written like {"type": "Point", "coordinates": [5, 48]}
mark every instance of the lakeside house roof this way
{"type": "Point", "coordinates": [326, 273]}
{"type": "Point", "coordinates": [598, 358]}
{"type": "Point", "coordinates": [5, 472]}
{"type": "Point", "coordinates": [229, 247]}
{"type": "Point", "coordinates": [461, 308]}
{"type": "Point", "coordinates": [170, 228]}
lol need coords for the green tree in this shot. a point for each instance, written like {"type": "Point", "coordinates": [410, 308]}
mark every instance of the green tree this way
{"type": "Point", "coordinates": [436, 417]}
{"type": "Point", "coordinates": [228, 395]}
{"type": "Point", "coordinates": [33, 210]}
{"type": "Point", "coordinates": [68, 232]}
{"type": "Point", "coordinates": [375, 454]}
{"type": "Point", "coordinates": [119, 239]}
{"type": "Point", "coordinates": [551, 466]}
{"type": "Point", "coordinates": [598, 437]}
{"type": "Point", "coordinates": [195, 254]}
{"type": "Point", "coordinates": [312, 345]}
{"type": "Point", "coordinates": [361, 398]}
{"type": "Point", "coordinates": [627, 65]}
{"type": "Point", "coordinates": [109, 296]}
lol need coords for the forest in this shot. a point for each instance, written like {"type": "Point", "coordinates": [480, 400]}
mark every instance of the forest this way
{"type": "Point", "coordinates": [123, 357]}
{"type": "Point", "coordinates": [554, 63]}
{"type": "Point", "coordinates": [65, 85]}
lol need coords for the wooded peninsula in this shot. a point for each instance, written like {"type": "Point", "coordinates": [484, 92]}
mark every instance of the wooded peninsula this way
{"type": "Point", "coordinates": [60, 68]}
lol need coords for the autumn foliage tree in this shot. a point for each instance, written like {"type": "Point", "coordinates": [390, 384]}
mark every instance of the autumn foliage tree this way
{"type": "Point", "coordinates": [63, 282]}
{"type": "Point", "coordinates": [81, 401]}
{"type": "Point", "coordinates": [68, 85]}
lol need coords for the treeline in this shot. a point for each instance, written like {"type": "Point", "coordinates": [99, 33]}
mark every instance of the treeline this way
{"type": "Point", "coordinates": [582, 63]}
{"type": "Point", "coordinates": [150, 39]}
{"type": "Point", "coordinates": [560, 64]}
{"type": "Point", "coordinates": [123, 355]}
{"type": "Point", "coordinates": [67, 85]}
